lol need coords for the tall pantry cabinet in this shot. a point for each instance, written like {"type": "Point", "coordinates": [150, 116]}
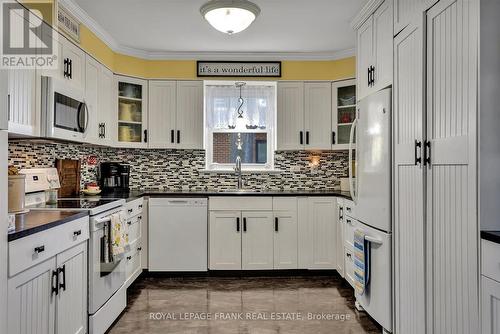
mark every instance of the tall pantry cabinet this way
{"type": "Point", "coordinates": [435, 187]}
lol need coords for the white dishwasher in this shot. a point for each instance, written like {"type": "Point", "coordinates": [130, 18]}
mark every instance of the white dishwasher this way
{"type": "Point", "coordinates": [178, 234]}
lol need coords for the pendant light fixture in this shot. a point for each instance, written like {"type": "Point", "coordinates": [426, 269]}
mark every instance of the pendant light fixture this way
{"type": "Point", "coordinates": [230, 16]}
{"type": "Point", "coordinates": [240, 120]}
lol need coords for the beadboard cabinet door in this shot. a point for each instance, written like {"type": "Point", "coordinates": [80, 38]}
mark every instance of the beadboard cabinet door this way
{"type": "Point", "coordinates": [189, 120]}
{"type": "Point", "coordinates": [71, 313]}
{"type": "Point", "coordinates": [92, 69]}
{"type": "Point", "coordinates": [162, 114]}
{"type": "Point", "coordinates": [106, 101]}
{"type": "Point", "coordinates": [383, 45]}
{"type": "Point", "coordinates": [257, 240]}
{"type": "Point", "coordinates": [31, 304]}
{"type": "Point", "coordinates": [409, 225]}
{"type": "Point", "coordinates": [318, 115]}
{"type": "Point", "coordinates": [490, 305]}
{"type": "Point", "coordinates": [225, 240]}
{"type": "Point", "coordinates": [23, 110]}
{"type": "Point", "coordinates": [285, 240]}
{"type": "Point", "coordinates": [290, 127]}
{"type": "Point", "coordinates": [364, 57]}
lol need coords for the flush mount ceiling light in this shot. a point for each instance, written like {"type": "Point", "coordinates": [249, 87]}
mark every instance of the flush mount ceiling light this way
{"type": "Point", "coordinates": [230, 16]}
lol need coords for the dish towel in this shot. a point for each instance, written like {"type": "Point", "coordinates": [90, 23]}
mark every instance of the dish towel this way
{"type": "Point", "coordinates": [119, 236]}
{"type": "Point", "coordinates": [361, 262]}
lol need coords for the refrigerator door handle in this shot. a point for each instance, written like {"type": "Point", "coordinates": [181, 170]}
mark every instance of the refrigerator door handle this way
{"type": "Point", "coordinates": [373, 240]}
{"type": "Point", "coordinates": [351, 176]}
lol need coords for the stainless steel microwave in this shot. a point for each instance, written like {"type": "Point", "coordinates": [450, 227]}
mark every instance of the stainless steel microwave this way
{"type": "Point", "coordinates": [64, 112]}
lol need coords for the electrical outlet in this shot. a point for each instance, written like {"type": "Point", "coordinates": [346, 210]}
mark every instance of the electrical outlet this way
{"type": "Point", "coordinates": [295, 169]}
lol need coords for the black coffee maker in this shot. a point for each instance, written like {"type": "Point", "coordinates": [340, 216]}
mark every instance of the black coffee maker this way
{"type": "Point", "coordinates": [114, 177]}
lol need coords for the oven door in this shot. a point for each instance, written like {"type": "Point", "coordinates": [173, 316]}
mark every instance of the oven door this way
{"type": "Point", "coordinates": [65, 114]}
{"type": "Point", "coordinates": [105, 277]}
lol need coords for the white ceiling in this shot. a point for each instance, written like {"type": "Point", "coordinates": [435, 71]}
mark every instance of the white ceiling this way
{"type": "Point", "coordinates": [319, 28]}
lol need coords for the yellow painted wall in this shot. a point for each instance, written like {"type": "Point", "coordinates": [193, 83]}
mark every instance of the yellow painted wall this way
{"type": "Point", "coordinates": [186, 69]}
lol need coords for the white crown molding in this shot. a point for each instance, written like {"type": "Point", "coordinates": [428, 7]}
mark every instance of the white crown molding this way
{"type": "Point", "coordinates": [110, 41]}
{"type": "Point", "coordinates": [367, 10]}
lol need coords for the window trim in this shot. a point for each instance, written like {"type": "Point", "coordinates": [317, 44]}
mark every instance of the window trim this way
{"type": "Point", "coordinates": [270, 130]}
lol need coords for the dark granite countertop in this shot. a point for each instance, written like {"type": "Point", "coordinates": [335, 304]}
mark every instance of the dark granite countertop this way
{"type": "Point", "coordinates": [39, 220]}
{"type": "Point", "coordinates": [493, 236]}
{"type": "Point", "coordinates": [206, 193]}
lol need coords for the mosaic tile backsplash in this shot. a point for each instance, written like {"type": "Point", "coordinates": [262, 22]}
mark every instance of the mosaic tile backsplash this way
{"type": "Point", "coordinates": [156, 169]}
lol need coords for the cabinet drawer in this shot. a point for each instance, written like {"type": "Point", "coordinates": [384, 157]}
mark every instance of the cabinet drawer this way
{"type": "Point", "coordinates": [349, 208]}
{"type": "Point", "coordinates": [490, 259]}
{"type": "Point", "coordinates": [245, 203]}
{"type": "Point", "coordinates": [22, 253]}
{"type": "Point", "coordinates": [349, 265]}
{"type": "Point", "coordinates": [285, 203]}
{"type": "Point", "coordinates": [134, 208]}
{"type": "Point", "coordinates": [133, 259]}
{"type": "Point", "coordinates": [134, 228]}
{"type": "Point", "coordinates": [349, 232]}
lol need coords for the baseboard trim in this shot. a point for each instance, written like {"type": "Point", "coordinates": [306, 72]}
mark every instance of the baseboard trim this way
{"type": "Point", "coordinates": [245, 273]}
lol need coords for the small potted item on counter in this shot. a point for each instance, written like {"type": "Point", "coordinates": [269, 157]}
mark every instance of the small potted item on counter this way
{"type": "Point", "coordinates": [16, 191]}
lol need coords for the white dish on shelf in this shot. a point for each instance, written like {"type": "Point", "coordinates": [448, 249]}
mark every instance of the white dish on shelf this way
{"type": "Point", "coordinates": [90, 192]}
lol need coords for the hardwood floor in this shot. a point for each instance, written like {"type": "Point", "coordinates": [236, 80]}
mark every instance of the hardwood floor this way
{"type": "Point", "coordinates": [242, 305]}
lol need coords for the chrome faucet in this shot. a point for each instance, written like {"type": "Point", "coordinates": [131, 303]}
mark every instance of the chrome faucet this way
{"type": "Point", "coordinates": [237, 169]}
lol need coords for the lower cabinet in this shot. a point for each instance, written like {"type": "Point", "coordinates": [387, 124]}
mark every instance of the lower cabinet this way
{"type": "Point", "coordinates": [225, 240]}
{"type": "Point", "coordinates": [285, 240]}
{"type": "Point", "coordinates": [133, 258]}
{"type": "Point", "coordinates": [257, 240]}
{"type": "Point", "coordinates": [490, 305]}
{"type": "Point", "coordinates": [50, 297]}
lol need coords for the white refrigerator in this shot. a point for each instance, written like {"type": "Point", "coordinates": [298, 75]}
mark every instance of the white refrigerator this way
{"type": "Point", "coordinates": [371, 193]}
{"type": "Point", "coordinates": [4, 100]}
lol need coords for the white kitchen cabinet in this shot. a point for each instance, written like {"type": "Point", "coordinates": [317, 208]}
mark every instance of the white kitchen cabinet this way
{"type": "Point", "coordinates": [176, 114]}
{"type": "Point", "coordinates": [490, 306]}
{"type": "Point", "coordinates": [23, 109]}
{"type": "Point", "coordinates": [133, 266]}
{"type": "Point", "coordinates": [71, 310]}
{"type": "Point", "coordinates": [71, 62]}
{"type": "Point", "coordinates": [106, 106]}
{"type": "Point", "coordinates": [132, 108]}
{"type": "Point", "coordinates": [374, 51]}
{"type": "Point", "coordinates": [225, 240]}
{"type": "Point", "coordinates": [343, 112]}
{"type": "Point", "coordinates": [340, 241]}
{"type": "Point", "coordinates": [285, 239]}
{"type": "Point", "coordinates": [349, 265]}
{"type": "Point", "coordinates": [92, 69]}
{"type": "Point", "coordinates": [257, 240]}
{"type": "Point", "coordinates": [290, 115]}
{"type": "Point", "coordinates": [162, 113]}
{"type": "Point", "coordinates": [405, 11]}
{"type": "Point", "coordinates": [318, 115]}
{"type": "Point", "coordinates": [31, 302]}
{"type": "Point", "coordinates": [323, 232]}
{"type": "Point", "coordinates": [317, 232]}
{"type": "Point", "coordinates": [51, 297]}
{"type": "Point", "coordinates": [189, 120]}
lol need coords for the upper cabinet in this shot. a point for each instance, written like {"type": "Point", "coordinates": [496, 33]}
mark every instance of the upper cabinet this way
{"type": "Point", "coordinates": [132, 112]}
{"type": "Point", "coordinates": [344, 112]}
{"type": "Point", "coordinates": [176, 114]}
{"type": "Point", "coordinates": [318, 115]}
{"type": "Point", "coordinates": [374, 55]}
{"type": "Point", "coordinates": [71, 65]}
{"type": "Point", "coordinates": [312, 115]}
{"type": "Point", "coordinates": [23, 109]}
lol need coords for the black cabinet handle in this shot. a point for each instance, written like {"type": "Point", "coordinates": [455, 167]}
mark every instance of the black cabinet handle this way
{"type": "Point", "coordinates": [341, 213]}
{"type": "Point", "coordinates": [70, 69]}
{"type": "Point", "coordinates": [130, 210]}
{"type": "Point", "coordinates": [145, 136]}
{"type": "Point", "coordinates": [333, 137]}
{"type": "Point", "coordinates": [63, 271]}
{"type": "Point", "coordinates": [139, 217]}
{"type": "Point", "coordinates": [172, 136]}
{"type": "Point", "coordinates": [140, 206]}
{"type": "Point", "coordinates": [129, 258]}
{"type": "Point", "coordinates": [139, 248]}
{"type": "Point", "coordinates": [77, 233]}
{"type": "Point", "coordinates": [55, 282]}
{"type": "Point", "coordinates": [237, 224]}
{"type": "Point", "coordinates": [348, 221]}
{"type": "Point", "coordinates": [307, 137]}
{"type": "Point", "coordinates": [65, 68]}
{"type": "Point", "coordinates": [178, 136]}
{"type": "Point", "coordinates": [373, 75]}
{"type": "Point", "coordinates": [129, 223]}
{"type": "Point", "coordinates": [369, 75]}
{"type": "Point", "coordinates": [103, 130]}
{"type": "Point", "coordinates": [348, 209]}
{"type": "Point", "coordinates": [40, 249]}
{"type": "Point", "coordinates": [276, 224]}
{"type": "Point", "coordinates": [244, 224]}
{"type": "Point", "coordinates": [427, 152]}
{"type": "Point", "coordinates": [301, 137]}
{"type": "Point", "coordinates": [418, 146]}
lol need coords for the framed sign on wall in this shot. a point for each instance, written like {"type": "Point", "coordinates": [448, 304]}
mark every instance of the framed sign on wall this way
{"type": "Point", "coordinates": [263, 69]}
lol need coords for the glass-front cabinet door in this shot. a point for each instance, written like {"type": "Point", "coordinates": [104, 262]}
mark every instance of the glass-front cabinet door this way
{"type": "Point", "coordinates": [132, 112]}
{"type": "Point", "coordinates": [344, 112]}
